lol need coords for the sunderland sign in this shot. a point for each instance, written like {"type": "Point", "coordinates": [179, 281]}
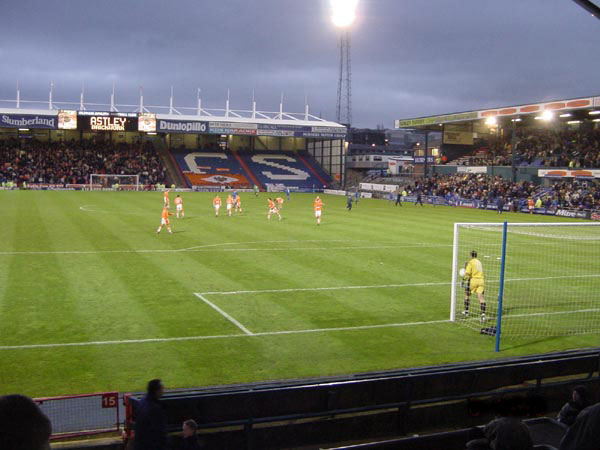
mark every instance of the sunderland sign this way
{"type": "Point", "coordinates": [28, 121]}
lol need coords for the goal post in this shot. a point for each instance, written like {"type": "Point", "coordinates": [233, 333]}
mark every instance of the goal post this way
{"type": "Point", "coordinates": [101, 182]}
{"type": "Point", "coordinates": [540, 279]}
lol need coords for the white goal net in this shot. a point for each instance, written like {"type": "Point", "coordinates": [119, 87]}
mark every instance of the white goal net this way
{"type": "Point", "coordinates": [100, 182]}
{"type": "Point", "coordinates": [551, 284]}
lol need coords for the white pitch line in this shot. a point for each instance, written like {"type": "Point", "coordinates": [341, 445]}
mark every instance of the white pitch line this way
{"type": "Point", "coordinates": [269, 242]}
{"type": "Point", "coordinates": [224, 314]}
{"type": "Point", "coordinates": [212, 249]}
{"type": "Point", "coordinates": [511, 316]}
{"type": "Point", "coordinates": [219, 336]}
{"type": "Point", "coordinates": [335, 288]}
{"type": "Point", "coordinates": [358, 327]}
{"type": "Point", "coordinates": [383, 286]}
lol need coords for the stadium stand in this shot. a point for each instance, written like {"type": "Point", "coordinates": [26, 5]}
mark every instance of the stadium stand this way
{"type": "Point", "coordinates": [296, 170]}
{"type": "Point", "coordinates": [204, 167]}
{"type": "Point", "coordinates": [545, 433]}
{"type": "Point", "coordinates": [211, 167]}
{"type": "Point", "coordinates": [293, 414]}
{"type": "Point", "coordinates": [541, 148]}
{"type": "Point", "coordinates": [73, 163]}
{"type": "Point", "coordinates": [578, 194]}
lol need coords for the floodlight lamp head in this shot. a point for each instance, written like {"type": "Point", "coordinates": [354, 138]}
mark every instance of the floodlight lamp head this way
{"type": "Point", "coordinates": [491, 121]}
{"type": "Point", "coordinates": [343, 12]}
{"type": "Point", "coordinates": [547, 115]}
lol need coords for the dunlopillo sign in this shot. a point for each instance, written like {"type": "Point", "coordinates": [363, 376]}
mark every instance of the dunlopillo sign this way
{"type": "Point", "coordinates": [181, 126]}
{"type": "Point", "coordinates": [241, 128]}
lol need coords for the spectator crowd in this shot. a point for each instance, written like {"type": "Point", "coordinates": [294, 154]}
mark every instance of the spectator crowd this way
{"type": "Point", "coordinates": [486, 188]}
{"type": "Point", "coordinates": [575, 149]}
{"type": "Point", "coordinates": [73, 163]}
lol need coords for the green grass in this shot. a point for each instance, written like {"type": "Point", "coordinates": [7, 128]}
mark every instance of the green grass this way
{"type": "Point", "coordinates": [103, 275]}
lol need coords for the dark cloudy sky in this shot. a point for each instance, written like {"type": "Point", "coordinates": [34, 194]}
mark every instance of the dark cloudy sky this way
{"type": "Point", "coordinates": [410, 57]}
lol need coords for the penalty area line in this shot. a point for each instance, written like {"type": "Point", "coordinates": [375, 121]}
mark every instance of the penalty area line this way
{"type": "Point", "coordinates": [219, 336]}
{"type": "Point", "coordinates": [224, 314]}
{"type": "Point", "coordinates": [384, 286]}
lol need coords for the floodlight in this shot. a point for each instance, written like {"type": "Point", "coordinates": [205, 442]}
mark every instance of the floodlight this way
{"type": "Point", "coordinates": [547, 115]}
{"type": "Point", "coordinates": [343, 12]}
{"type": "Point", "coordinates": [491, 121]}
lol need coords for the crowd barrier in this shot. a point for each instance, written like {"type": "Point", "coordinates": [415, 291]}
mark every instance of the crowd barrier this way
{"type": "Point", "coordinates": [82, 415]}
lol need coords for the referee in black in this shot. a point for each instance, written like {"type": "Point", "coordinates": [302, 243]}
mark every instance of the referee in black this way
{"type": "Point", "coordinates": [398, 197]}
{"type": "Point", "coordinates": [419, 197]}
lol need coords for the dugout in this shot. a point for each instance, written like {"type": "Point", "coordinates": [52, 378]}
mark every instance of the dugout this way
{"type": "Point", "coordinates": [473, 133]}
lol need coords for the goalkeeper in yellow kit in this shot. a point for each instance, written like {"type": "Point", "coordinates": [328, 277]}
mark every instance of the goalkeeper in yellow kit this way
{"type": "Point", "coordinates": [474, 283]}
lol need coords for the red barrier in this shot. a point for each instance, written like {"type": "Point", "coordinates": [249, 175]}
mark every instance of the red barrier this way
{"type": "Point", "coordinates": [82, 415]}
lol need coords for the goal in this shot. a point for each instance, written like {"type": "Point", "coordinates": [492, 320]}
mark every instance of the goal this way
{"type": "Point", "coordinates": [540, 279]}
{"type": "Point", "coordinates": [101, 182]}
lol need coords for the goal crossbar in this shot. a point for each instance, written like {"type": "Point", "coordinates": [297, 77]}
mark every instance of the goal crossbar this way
{"type": "Point", "coordinates": [101, 181]}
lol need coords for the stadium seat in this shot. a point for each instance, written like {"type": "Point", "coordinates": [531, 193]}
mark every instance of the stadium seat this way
{"type": "Point", "coordinates": [295, 170]}
{"type": "Point", "coordinates": [212, 168]}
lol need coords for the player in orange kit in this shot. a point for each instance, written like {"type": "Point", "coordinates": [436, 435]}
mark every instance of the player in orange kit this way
{"type": "Point", "coordinates": [217, 205]}
{"type": "Point", "coordinates": [179, 206]}
{"type": "Point", "coordinates": [238, 204]}
{"type": "Point", "coordinates": [164, 220]}
{"type": "Point", "coordinates": [229, 204]}
{"type": "Point", "coordinates": [530, 205]}
{"type": "Point", "coordinates": [318, 206]}
{"type": "Point", "coordinates": [166, 199]}
{"type": "Point", "coordinates": [279, 201]}
{"type": "Point", "coordinates": [272, 209]}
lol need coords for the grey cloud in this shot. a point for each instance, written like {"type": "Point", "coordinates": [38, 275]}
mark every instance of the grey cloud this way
{"type": "Point", "coordinates": [410, 57]}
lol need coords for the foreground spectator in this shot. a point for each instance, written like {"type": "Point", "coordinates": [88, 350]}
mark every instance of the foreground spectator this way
{"type": "Point", "coordinates": [190, 435]}
{"type": "Point", "coordinates": [23, 426]}
{"type": "Point", "coordinates": [584, 434]}
{"type": "Point", "coordinates": [151, 420]}
{"type": "Point", "coordinates": [580, 399]}
{"type": "Point", "coordinates": [504, 433]}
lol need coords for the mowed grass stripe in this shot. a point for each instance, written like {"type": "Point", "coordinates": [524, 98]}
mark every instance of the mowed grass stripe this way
{"type": "Point", "coordinates": [154, 292]}
{"type": "Point", "coordinates": [268, 312]}
{"type": "Point", "coordinates": [9, 205]}
{"type": "Point", "coordinates": [42, 299]}
{"type": "Point", "coordinates": [107, 295]}
{"type": "Point", "coordinates": [167, 306]}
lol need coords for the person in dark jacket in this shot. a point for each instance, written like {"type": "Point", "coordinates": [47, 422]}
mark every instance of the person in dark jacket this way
{"type": "Point", "coordinates": [584, 434]}
{"type": "Point", "coordinates": [500, 204]}
{"type": "Point", "coordinates": [151, 420]}
{"type": "Point", "coordinates": [580, 399]}
{"type": "Point", "coordinates": [503, 433]}
{"type": "Point", "coordinates": [190, 435]}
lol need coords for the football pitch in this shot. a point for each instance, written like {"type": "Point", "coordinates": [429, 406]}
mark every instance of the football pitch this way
{"type": "Point", "coordinates": [92, 299]}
